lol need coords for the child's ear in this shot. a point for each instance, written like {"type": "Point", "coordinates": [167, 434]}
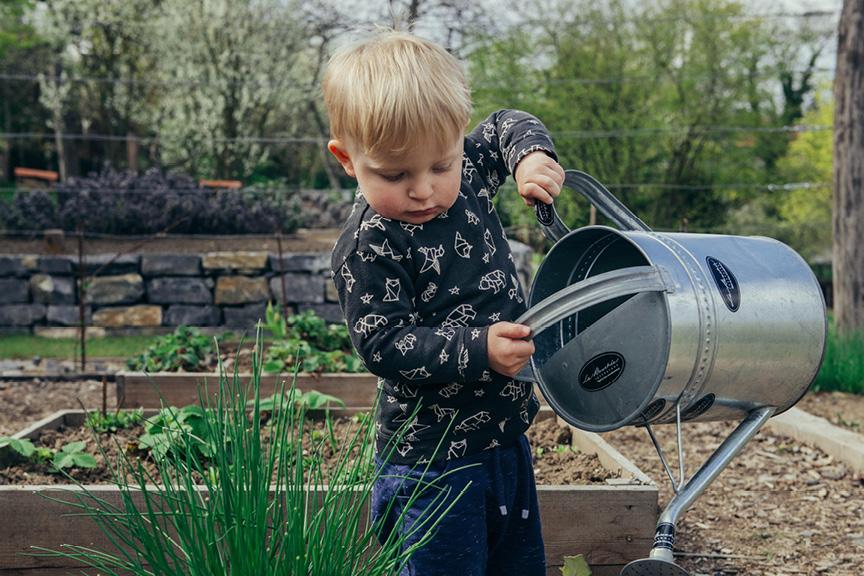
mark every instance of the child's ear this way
{"type": "Point", "coordinates": [340, 151]}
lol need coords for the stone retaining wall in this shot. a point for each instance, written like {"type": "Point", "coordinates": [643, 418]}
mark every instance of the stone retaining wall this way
{"type": "Point", "coordinates": [157, 292]}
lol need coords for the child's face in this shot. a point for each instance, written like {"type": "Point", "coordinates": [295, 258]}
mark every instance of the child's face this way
{"type": "Point", "coordinates": [413, 187]}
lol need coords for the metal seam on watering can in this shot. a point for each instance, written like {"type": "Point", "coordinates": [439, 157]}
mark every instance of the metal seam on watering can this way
{"type": "Point", "coordinates": [706, 322]}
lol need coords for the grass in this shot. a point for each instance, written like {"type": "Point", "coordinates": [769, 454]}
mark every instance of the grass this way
{"type": "Point", "coordinates": [843, 367]}
{"type": "Point", "coordinates": [24, 346]}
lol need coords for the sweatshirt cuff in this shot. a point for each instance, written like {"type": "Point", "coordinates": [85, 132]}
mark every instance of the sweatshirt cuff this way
{"type": "Point", "coordinates": [541, 147]}
{"type": "Point", "coordinates": [473, 361]}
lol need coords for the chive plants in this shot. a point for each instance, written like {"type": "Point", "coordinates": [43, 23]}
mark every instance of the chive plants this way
{"type": "Point", "coordinates": [224, 514]}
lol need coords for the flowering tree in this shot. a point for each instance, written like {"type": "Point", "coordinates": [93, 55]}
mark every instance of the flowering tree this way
{"type": "Point", "coordinates": [229, 68]}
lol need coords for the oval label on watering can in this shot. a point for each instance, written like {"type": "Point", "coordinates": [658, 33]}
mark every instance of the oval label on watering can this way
{"type": "Point", "coordinates": [698, 408]}
{"type": "Point", "coordinates": [601, 371]}
{"type": "Point", "coordinates": [726, 283]}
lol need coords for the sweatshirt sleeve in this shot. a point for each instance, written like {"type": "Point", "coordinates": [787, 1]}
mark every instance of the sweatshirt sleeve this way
{"type": "Point", "coordinates": [377, 296]}
{"type": "Point", "coordinates": [497, 145]}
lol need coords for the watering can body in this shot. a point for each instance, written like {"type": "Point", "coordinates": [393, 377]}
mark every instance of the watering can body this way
{"type": "Point", "coordinates": [710, 327]}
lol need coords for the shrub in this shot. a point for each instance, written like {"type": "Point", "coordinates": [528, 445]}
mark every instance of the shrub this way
{"type": "Point", "coordinates": [116, 202]}
{"type": "Point", "coordinates": [29, 210]}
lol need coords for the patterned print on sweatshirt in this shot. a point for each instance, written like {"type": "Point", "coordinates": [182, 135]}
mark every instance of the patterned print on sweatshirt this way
{"type": "Point", "coordinates": [419, 298]}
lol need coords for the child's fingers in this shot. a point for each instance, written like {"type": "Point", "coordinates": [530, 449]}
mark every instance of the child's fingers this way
{"type": "Point", "coordinates": [532, 190]}
{"type": "Point", "coordinates": [511, 330]}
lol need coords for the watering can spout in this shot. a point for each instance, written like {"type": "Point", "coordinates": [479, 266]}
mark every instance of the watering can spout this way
{"type": "Point", "coordinates": [660, 561]}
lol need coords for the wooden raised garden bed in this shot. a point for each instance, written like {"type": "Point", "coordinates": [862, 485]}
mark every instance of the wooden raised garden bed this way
{"type": "Point", "coordinates": [610, 524]}
{"type": "Point", "coordinates": [142, 390]}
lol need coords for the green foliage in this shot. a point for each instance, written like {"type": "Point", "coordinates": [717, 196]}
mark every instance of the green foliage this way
{"type": "Point", "coordinates": [113, 421]}
{"type": "Point", "coordinates": [197, 517]}
{"type": "Point", "coordinates": [638, 95]}
{"type": "Point", "coordinates": [184, 350]}
{"type": "Point", "coordinates": [178, 429]}
{"type": "Point", "coordinates": [72, 455]}
{"type": "Point", "coordinates": [843, 364]}
{"type": "Point", "coordinates": [308, 340]}
{"type": "Point", "coordinates": [20, 446]}
{"type": "Point", "coordinates": [301, 401]}
{"type": "Point", "coordinates": [575, 566]}
{"type": "Point", "coordinates": [806, 212]}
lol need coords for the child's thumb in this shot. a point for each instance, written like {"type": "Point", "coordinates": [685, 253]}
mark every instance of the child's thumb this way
{"type": "Point", "coordinates": [512, 330]}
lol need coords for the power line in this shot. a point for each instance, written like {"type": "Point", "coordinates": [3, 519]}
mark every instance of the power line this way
{"type": "Point", "coordinates": [149, 139]}
{"type": "Point", "coordinates": [72, 234]}
{"type": "Point", "coordinates": [617, 132]}
{"type": "Point", "coordinates": [683, 16]}
{"type": "Point", "coordinates": [576, 134]}
{"type": "Point", "coordinates": [770, 187]}
{"type": "Point", "coordinates": [15, 77]}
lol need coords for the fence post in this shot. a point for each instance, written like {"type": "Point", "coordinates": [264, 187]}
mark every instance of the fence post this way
{"type": "Point", "coordinates": [282, 276]}
{"type": "Point", "coordinates": [82, 292]}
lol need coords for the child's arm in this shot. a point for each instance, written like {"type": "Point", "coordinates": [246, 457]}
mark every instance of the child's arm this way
{"type": "Point", "coordinates": [514, 142]}
{"type": "Point", "coordinates": [376, 291]}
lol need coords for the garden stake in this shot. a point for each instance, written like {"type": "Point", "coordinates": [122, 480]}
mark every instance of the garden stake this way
{"type": "Point", "coordinates": [282, 275]}
{"type": "Point", "coordinates": [82, 290]}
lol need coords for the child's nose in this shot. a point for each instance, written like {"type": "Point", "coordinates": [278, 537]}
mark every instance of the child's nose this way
{"type": "Point", "coordinates": [421, 189]}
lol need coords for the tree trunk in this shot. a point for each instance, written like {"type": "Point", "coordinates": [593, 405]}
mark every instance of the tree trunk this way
{"type": "Point", "coordinates": [848, 217]}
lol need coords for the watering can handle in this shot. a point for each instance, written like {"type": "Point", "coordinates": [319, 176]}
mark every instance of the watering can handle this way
{"type": "Point", "coordinates": [598, 195]}
{"type": "Point", "coordinates": [594, 290]}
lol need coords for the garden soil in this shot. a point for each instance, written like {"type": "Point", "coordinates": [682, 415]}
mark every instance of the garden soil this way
{"type": "Point", "coordinates": [780, 508]}
{"type": "Point", "coordinates": [555, 463]}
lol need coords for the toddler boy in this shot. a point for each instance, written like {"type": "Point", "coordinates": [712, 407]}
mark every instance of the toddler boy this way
{"type": "Point", "coordinates": [429, 289]}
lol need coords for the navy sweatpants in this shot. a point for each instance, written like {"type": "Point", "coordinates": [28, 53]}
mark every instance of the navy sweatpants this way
{"type": "Point", "coordinates": [493, 529]}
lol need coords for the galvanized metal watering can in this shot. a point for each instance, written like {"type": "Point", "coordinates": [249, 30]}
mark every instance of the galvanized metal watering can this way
{"type": "Point", "coordinates": [635, 327]}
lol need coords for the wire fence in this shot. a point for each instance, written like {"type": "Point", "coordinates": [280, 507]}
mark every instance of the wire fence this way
{"type": "Point", "coordinates": [347, 192]}
{"type": "Point", "coordinates": [320, 140]}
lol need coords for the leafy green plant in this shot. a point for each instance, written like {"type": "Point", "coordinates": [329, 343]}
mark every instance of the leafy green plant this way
{"type": "Point", "coordinates": [113, 421]}
{"type": "Point", "coordinates": [72, 455]}
{"type": "Point", "coordinates": [309, 340]}
{"type": "Point", "coordinates": [274, 323]}
{"type": "Point", "coordinates": [21, 446]}
{"type": "Point", "coordinates": [238, 520]}
{"type": "Point", "coordinates": [186, 349]}
{"type": "Point", "coordinates": [299, 400]}
{"type": "Point", "coordinates": [178, 429]}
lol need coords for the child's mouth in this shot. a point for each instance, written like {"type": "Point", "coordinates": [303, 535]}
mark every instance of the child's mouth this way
{"type": "Point", "coordinates": [423, 213]}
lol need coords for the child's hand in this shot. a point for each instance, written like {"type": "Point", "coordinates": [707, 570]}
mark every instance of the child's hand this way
{"type": "Point", "coordinates": [538, 177]}
{"type": "Point", "coordinates": [507, 350]}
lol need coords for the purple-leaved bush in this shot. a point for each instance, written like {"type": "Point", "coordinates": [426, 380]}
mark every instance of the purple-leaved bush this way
{"type": "Point", "coordinates": [115, 202]}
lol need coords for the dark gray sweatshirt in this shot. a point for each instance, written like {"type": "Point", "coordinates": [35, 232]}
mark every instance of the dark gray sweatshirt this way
{"type": "Point", "coordinates": [419, 299]}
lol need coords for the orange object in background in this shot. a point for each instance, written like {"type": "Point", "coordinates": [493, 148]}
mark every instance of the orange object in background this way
{"type": "Point", "coordinates": [230, 184]}
{"type": "Point", "coordinates": [35, 177]}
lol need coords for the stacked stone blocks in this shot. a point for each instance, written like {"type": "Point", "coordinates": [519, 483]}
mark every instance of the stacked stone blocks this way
{"type": "Point", "coordinates": [161, 291]}
{"type": "Point", "coordinates": [229, 289]}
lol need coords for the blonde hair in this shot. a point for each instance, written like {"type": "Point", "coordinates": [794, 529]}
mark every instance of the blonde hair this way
{"type": "Point", "coordinates": [394, 91]}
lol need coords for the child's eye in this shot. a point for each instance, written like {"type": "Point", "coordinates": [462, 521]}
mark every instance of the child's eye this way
{"type": "Point", "coordinates": [393, 177]}
{"type": "Point", "coordinates": [442, 169]}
